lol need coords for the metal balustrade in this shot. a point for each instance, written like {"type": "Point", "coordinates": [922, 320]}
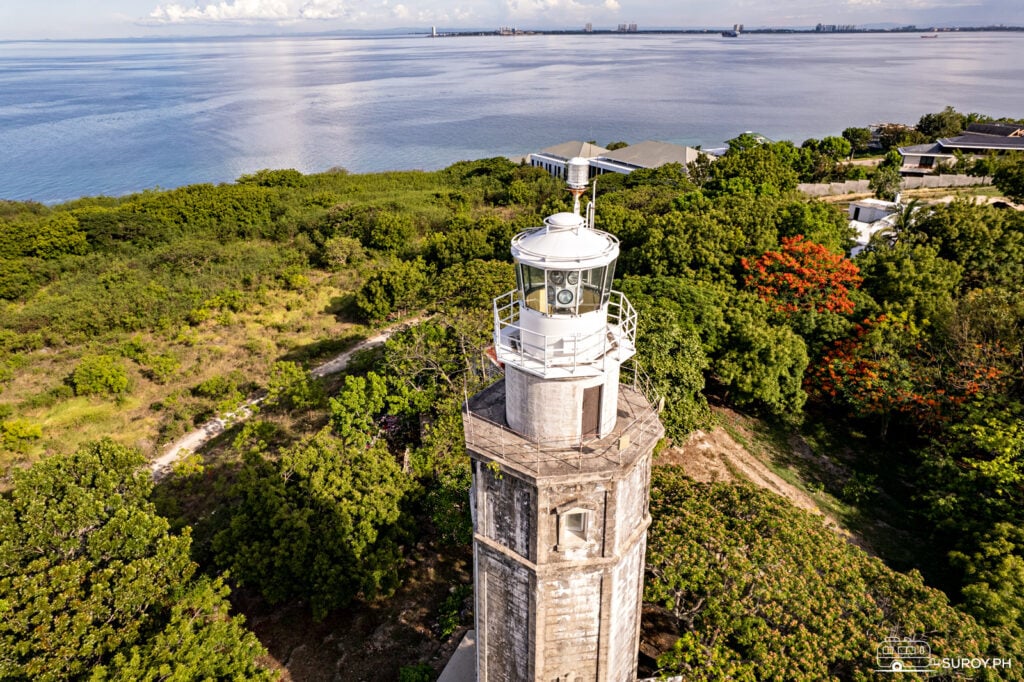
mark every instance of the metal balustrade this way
{"type": "Point", "coordinates": [564, 355]}
{"type": "Point", "coordinates": [639, 407]}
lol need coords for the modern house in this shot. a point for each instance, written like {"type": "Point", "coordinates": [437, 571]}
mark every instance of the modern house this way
{"type": "Point", "coordinates": [978, 140]}
{"type": "Point", "coordinates": [868, 216]}
{"type": "Point", "coordinates": [553, 159]}
{"type": "Point", "coordinates": [648, 154]}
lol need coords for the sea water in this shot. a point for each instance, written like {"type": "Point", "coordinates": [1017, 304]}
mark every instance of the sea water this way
{"type": "Point", "coordinates": [112, 117]}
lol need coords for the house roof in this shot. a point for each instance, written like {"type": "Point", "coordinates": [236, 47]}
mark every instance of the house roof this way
{"type": "Point", "coordinates": [982, 141]}
{"type": "Point", "coordinates": [1001, 129]}
{"type": "Point", "coordinates": [930, 148]}
{"type": "Point", "coordinates": [651, 154]}
{"type": "Point", "coordinates": [574, 148]}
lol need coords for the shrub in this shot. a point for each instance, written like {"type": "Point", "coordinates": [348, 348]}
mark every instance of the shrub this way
{"type": "Point", "coordinates": [15, 434]}
{"type": "Point", "coordinates": [101, 375]}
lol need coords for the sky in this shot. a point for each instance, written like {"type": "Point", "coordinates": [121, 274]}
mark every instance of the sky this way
{"type": "Point", "coordinates": [62, 19]}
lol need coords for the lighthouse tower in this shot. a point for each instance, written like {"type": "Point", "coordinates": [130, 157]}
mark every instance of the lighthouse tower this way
{"type": "Point", "coordinates": [561, 454]}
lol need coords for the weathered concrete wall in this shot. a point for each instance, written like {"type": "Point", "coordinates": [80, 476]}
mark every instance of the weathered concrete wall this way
{"type": "Point", "coordinates": [827, 189]}
{"type": "Point", "coordinates": [553, 607]}
{"type": "Point", "coordinates": [631, 505]}
{"type": "Point", "coordinates": [624, 614]}
{"type": "Point", "coordinates": [571, 605]}
{"type": "Point", "coordinates": [548, 409]}
{"type": "Point", "coordinates": [509, 512]}
{"type": "Point", "coordinates": [504, 595]}
{"type": "Point", "coordinates": [556, 500]}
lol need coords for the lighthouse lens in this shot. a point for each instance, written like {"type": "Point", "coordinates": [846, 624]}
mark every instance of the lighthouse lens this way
{"type": "Point", "coordinates": [556, 277]}
{"type": "Point", "coordinates": [573, 278]}
{"type": "Point", "coordinates": [565, 297]}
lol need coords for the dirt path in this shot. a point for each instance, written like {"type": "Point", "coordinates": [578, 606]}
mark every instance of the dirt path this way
{"type": "Point", "coordinates": [194, 440]}
{"type": "Point", "coordinates": [710, 456]}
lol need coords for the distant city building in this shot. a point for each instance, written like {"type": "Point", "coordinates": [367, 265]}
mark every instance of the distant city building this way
{"type": "Point", "coordinates": [835, 28]}
{"type": "Point", "coordinates": [977, 141]}
{"type": "Point", "coordinates": [648, 154]}
{"type": "Point", "coordinates": [589, 28]}
{"type": "Point", "coordinates": [627, 28]}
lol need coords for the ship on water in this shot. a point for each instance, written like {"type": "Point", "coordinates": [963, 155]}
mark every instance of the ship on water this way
{"type": "Point", "coordinates": [737, 29]}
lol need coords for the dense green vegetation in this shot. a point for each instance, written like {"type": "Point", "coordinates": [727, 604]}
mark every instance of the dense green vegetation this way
{"type": "Point", "coordinates": [139, 317]}
{"type": "Point", "coordinates": [92, 584]}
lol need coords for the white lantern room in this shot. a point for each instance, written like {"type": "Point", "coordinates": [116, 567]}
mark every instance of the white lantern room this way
{"type": "Point", "coordinates": [563, 332]}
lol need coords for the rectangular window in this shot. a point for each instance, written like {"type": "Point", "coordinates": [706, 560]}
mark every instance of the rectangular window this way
{"type": "Point", "coordinates": [593, 281]}
{"type": "Point", "coordinates": [531, 282]}
{"type": "Point", "coordinates": [572, 529]}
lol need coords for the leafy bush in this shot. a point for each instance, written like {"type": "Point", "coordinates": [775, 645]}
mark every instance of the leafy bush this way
{"type": "Point", "coordinates": [94, 585]}
{"type": "Point", "coordinates": [101, 375]}
{"type": "Point", "coordinates": [17, 434]}
{"type": "Point", "coordinates": [292, 388]}
{"type": "Point", "coordinates": [416, 673]}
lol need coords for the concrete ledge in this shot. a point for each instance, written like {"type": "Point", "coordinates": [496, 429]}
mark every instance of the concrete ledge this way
{"type": "Point", "coordinates": [462, 665]}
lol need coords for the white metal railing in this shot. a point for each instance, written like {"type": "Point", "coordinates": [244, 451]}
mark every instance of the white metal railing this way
{"type": "Point", "coordinates": [616, 340]}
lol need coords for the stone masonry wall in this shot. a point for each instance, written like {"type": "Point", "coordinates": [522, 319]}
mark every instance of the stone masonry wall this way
{"type": "Point", "coordinates": [572, 624]}
{"type": "Point", "coordinates": [503, 593]}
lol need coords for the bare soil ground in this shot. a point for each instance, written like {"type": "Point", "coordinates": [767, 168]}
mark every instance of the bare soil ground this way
{"type": "Point", "coordinates": [711, 456]}
{"type": "Point", "coordinates": [367, 642]}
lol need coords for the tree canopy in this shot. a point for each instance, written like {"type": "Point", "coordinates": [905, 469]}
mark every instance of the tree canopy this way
{"type": "Point", "coordinates": [93, 584]}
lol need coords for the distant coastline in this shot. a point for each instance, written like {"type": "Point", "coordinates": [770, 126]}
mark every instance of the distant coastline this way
{"type": "Point", "coordinates": [511, 32]}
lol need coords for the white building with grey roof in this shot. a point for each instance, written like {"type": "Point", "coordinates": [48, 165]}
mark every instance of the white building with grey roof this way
{"type": "Point", "coordinates": [625, 160]}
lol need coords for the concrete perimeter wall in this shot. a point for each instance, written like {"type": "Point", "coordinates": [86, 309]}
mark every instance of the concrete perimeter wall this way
{"type": "Point", "coordinates": [829, 189]}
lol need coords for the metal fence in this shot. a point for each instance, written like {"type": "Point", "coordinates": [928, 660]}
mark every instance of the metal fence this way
{"type": "Point", "coordinates": [526, 348]}
{"type": "Point", "coordinates": [636, 398]}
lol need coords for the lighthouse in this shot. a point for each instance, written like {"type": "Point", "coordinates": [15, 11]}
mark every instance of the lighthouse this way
{"type": "Point", "coordinates": [561, 455]}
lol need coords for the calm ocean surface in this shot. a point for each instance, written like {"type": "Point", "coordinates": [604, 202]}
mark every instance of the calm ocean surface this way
{"type": "Point", "coordinates": [84, 118]}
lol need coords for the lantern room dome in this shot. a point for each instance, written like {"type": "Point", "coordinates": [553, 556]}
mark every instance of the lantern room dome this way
{"type": "Point", "coordinates": [563, 241]}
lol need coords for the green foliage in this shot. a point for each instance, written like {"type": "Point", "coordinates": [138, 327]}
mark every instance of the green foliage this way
{"type": "Point", "coordinates": [473, 285]}
{"type": "Point", "coordinates": [946, 123]}
{"type": "Point", "coordinates": [58, 236]}
{"type": "Point", "coordinates": [17, 435]}
{"type": "Point", "coordinates": [911, 278]}
{"type": "Point", "coordinates": [887, 180]}
{"type": "Point", "coordinates": [341, 251]}
{"type": "Point", "coordinates": [761, 590]}
{"type": "Point", "coordinates": [416, 673]}
{"type": "Point", "coordinates": [291, 387]}
{"type": "Point", "coordinates": [318, 524]}
{"type": "Point", "coordinates": [393, 291]}
{"type": "Point", "coordinates": [450, 617]}
{"type": "Point", "coordinates": [761, 364]}
{"type": "Point", "coordinates": [390, 232]}
{"type": "Point", "coordinates": [986, 242]}
{"type": "Point", "coordinates": [672, 354]}
{"type": "Point", "coordinates": [101, 375]}
{"type": "Point", "coordinates": [761, 169]}
{"type": "Point", "coordinates": [859, 139]}
{"type": "Point", "coordinates": [994, 578]}
{"type": "Point", "coordinates": [273, 178]}
{"type": "Point", "coordinates": [1009, 178]}
{"type": "Point", "coordinates": [91, 582]}
{"type": "Point", "coordinates": [817, 221]}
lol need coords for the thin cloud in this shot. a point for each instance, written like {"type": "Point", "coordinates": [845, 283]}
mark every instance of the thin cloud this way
{"type": "Point", "coordinates": [235, 10]}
